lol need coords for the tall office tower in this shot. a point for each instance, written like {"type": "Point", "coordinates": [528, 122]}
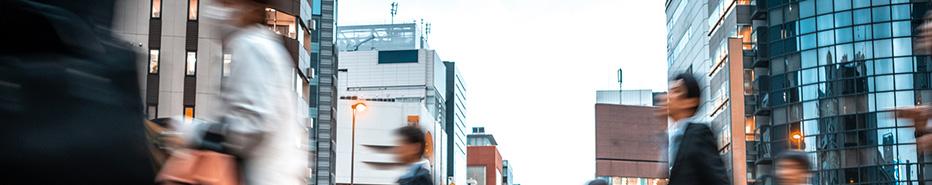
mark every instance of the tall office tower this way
{"type": "Point", "coordinates": [184, 61]}
{"type": "Point", "coordinates": [819, 76]}
{"type": "Point", "coordinates": [712, 41]}
{"type": "Point", "coordinates": [324, 62]}
{"type": "Point", "coordinates": [829, 74]}
{"type": "Point", "coordinates": [456, 124]}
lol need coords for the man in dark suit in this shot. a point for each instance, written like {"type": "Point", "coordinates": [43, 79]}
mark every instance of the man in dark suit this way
{"type": "Point", "coordinates": [693, 154]}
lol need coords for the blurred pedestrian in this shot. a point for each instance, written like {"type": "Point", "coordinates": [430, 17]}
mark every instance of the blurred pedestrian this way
{"type": "Point", "coordinates": [70, 104]}
{"type": "Point", "coordinates": [693, 154]}
{"type": "Point", "coordinates": [793, 168]}
{"type": "Point", "coordinates": [597, 182]}
{"type": "Point", "coordinates": [259, 117]}
{"type": "Point", "coordinates": [410, 150]}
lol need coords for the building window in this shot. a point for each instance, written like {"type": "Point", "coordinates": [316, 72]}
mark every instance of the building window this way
{"type": "Point", "coordinates": [190, 68]}
{"type": "Point", "coordinates": [188, 114]}
{"type": "Point", "coordinates": [154, 61]}
{"type": "Point", "coordinates": [152, 112]}
{"type": "Point", "coordinates": [156, 8]}
{"type": "Point", "coordinates": [227, 58]}
{"type": "Point", "coordinates": [192, 10]}
{"type": "Point", "coordinates": [281, 23]}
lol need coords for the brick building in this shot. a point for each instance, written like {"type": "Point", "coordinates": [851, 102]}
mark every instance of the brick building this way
{"type": "Point", "coordinates": [630, 144]}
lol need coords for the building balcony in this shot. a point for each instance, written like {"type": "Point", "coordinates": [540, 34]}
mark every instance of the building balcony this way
{"type": "Point", "coordinates": [758, 10]}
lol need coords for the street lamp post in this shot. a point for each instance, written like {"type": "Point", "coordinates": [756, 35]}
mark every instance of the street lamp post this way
{"type": "Point", "coordinates": [357, 107]}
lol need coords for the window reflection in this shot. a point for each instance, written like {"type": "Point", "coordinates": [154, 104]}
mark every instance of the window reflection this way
{"type": "Point", "coordinates": [156, 8]}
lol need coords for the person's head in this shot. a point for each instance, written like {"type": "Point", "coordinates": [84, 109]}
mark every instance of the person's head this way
{"type": "Point", "coordinates": [682, 99]}
{"type": "Point", "coordinates": [411, 143]}
{"type": "Point", "coordinates": [597, 182]}
{"type": "Point", "coordinates": [239, 13]}
{"type": "Point", "coordinates": [793, 168]}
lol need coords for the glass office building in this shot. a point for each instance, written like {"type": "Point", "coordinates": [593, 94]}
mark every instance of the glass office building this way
{"type": "Point", "coordinates": [833, 71]}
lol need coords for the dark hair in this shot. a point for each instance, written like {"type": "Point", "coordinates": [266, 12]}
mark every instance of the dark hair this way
{"type": "Point", "coordinates": [597, 182]}
{"type": "Point", "coordinates": [691, 85]}
{"type": "Point", "coordinates": [413, 135]}
{"type": "Point", "coordinates": [796, 156]}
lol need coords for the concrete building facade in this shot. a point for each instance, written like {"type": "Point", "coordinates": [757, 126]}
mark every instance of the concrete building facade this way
{"type": "Point", "coordinates": [414, 77]}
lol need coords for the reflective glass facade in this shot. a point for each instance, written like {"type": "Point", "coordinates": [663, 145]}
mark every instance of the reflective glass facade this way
{"type": "Point", "coordinates": [836, 69]}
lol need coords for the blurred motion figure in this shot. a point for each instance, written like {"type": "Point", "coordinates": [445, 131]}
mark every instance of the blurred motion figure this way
{"type": "Point", "coordinates": [410, 148]}
{"type": "Point", "coordinates": [70, 106]}
{"type": "Point", "coordinates": [693, 154]}
{"type": "Point", "coordinates": [259, 122]}
{"type": "Point", "coordinates": [793, 168]}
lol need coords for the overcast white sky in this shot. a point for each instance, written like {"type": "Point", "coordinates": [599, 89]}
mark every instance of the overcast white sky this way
{"type": "Point", "coordinates": [532, 68]}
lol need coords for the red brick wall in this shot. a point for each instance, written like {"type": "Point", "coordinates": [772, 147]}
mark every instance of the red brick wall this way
{"type": "Point", "coordinates": [629, 141]}
{"type": "Point", "coordinates": [487, 156]}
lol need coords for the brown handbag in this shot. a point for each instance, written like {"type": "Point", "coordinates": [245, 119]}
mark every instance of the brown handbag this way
{"type": "Point", "coordinates": [198, 167]}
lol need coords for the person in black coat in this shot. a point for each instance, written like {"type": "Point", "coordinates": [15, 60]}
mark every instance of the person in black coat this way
{"type": "Point", "coordinates": [693, 154]}
{"type": "Point", "coordinates": [410, 151]}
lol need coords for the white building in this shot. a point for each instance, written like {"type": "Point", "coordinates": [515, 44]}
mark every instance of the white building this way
{"type": "Point", "coordinates": [628, 97]}
{"type": "Point", "coordinates": [399, 87]}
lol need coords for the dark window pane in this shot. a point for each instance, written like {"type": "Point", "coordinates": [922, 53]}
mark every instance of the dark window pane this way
{"type": "Point", "coordinates": [807, 8]}
{"type": "Point", "coordinates": [807, 26]}
{"type": "Point", "coordinates": [882, 30]}
{"type": "Point", "coordinates": [902, 28]}
{"type": "Point", "coordinates": [883, 48]}
{"type": "Point", "coordinates": [826, 21]}
{"type": "Point", "coordinates": [842, 5]}
{"type": "Point", "coordinates": [807, 42]}
{"type": "Point", "coordinates": [842, 19]}
{"type": "Point", "coordinates": [863, 50]}
{"type": "Point", "coordinates": [881, 13]}
{"type": "Point", "coordinates": [863, 32]}
{"type": "Point", "coordinates": [862, 16]}
{"type": "Point", "coordinates": [824, 6]}
{"type": "Point", "coordinates": [826, 38]}
{"type": "Point", "coordinates": [809, 59]}
{"type": "Point", "coordinates": [843, 35]}
{"type": "Point", "coordinates": [900, 12]}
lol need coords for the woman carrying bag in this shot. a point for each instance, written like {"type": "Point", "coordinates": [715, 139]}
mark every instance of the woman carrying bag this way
{"type": "Point", "coordinates": [259, 123]}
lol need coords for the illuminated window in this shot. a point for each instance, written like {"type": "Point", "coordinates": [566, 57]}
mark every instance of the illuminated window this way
{"type": "Point", "coordinates": [190, 68]}
{"type": "Point", "coordinates": [156, 8]}
{"type": "Point", "coordinates": [227, 58]}
{"type": "Point", "coordinates": [192, 10]}
{"type": "Point", "coordinates": [281, 23]}
{"type": "Point", "coordinates": [153, 61]}
{"type": "Point", "coordinates": [188, 114]}
{"type": "Point", "coordinates": [152, 111]}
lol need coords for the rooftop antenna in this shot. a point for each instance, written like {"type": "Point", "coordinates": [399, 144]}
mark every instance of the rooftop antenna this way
{"type": "Point", "coordinates": [394, 11]}
{"type": "Point", "coordinates": [619, 86]}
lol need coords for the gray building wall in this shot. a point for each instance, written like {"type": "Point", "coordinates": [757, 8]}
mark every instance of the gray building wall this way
{"type": "Point", "coordinates": [325, 55]}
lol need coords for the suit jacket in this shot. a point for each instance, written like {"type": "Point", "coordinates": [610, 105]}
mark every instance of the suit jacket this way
{"type": "Point", "coordinates": [416, 175]}
{"type": "Point", "coordinates": [697, 159]}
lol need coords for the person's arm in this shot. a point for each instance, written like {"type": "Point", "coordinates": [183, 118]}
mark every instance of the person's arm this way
{"type": "Point", "coordinates": [247, 105]}
{"type": "Point", "coordinates": [704, 154]}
